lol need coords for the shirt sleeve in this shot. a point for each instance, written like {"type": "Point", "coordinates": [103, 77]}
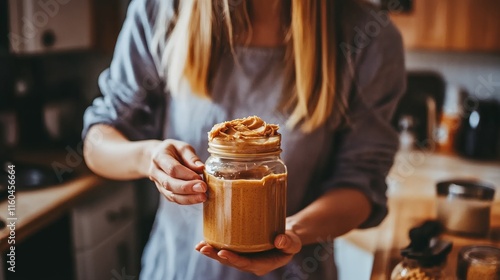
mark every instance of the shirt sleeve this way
{"type": "Point", "coordinates": [365, 147]}
{"type": "Point", "coordinates": [132, 92]}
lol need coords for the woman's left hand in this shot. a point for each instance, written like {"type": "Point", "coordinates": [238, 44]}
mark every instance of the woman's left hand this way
{"type": "Point", "coordinates": [287, 245]}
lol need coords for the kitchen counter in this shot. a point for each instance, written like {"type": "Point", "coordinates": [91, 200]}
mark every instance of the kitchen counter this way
{"type": "Point", "coordinates": [35, 209]}
{"type": "Point", "coordinates": [408, 212]}
{"type": "Point", "coordinates": [416, 173]}
{"type": "Point", "coordinates": [373, 253]}
{"type": "Point", "coordinates": [362, 254]}
{"type": "Point", "coordinates": [92, 220]}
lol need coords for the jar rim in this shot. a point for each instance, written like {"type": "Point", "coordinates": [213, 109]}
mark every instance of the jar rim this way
{"type": "Point", "coordinates": [466, 189]}
{"type": "Point", "coordinates": [482, 254]}
{"type": "Point", "coordinates": [247, 147]}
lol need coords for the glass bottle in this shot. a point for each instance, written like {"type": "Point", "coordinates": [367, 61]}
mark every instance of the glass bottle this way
{"type": "Point", "coordinates": [407, 137]}
{"type": "Point", "coordinates": [246, 205]}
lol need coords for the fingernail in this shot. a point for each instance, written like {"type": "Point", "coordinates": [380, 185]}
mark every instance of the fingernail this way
{"type": "Point", "coordinates": [223, 257]}
{"type": "Point", "coordinates": [198, 163]}
{"type": "Point", "coordinates": [198, 188]}
{"type": "Point", "coordinates": [205, 253]}
{"type": "Point", "coordinates": [282, 242]}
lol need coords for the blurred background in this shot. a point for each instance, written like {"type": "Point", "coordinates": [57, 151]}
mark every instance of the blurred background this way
{"type": "Point", "coordinates": [52, 51]}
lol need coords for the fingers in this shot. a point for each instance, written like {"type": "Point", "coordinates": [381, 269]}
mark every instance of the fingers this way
{"type": "Point", "coordinates": [173, 168]}
{"type": "Point", "coordinates": [178, 186]}
{"type": "Point", "coordinates": [200, 245]}
{"type": "Point", "coordinates": [208, 251]}
{"type": "Point", "coordinates": [185, 154]}
{"type": "Point", "coordinates": [235, 260]}
{"type": "Point", "coordinates": [288, 243]}
{"type": "Point", "coordinates": [182, 199]}
{"type": "Point", "coordinates": [182, 192]}
{"type": "Point", "coordinates": [189, 157]}
{"type": "Point", "coordinates": [223, 256]}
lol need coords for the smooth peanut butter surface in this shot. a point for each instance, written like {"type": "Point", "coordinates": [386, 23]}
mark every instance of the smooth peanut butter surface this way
{"type": "Point", "coordinates": [244, 215]}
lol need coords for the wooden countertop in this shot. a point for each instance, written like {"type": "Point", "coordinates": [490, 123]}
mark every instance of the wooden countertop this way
{"type": "Point", "coordinates": [416, 173]}
{"type": "Point", "coordinates": [38, 208]}
{"type": "Point", "coordinates": [407, 213]}
{"type": "Point", "coordinates": [412, 200]}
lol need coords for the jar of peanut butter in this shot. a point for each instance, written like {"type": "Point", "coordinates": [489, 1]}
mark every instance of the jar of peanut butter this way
{"type": "Point", "coordinates": [246, 205]}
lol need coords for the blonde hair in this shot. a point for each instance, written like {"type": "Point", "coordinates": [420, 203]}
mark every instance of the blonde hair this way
{"type": "Point", "coordinates": [200, 31]}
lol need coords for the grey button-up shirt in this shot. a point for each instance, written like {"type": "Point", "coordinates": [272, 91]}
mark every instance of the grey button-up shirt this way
{"type": "Point", "coordinates": [356, 154]}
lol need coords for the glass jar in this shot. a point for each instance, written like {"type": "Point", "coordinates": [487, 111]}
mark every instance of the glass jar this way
{"type": "Point", "coordinates": [246, 205]}
{"type": "Point", "coordinates": [464, 206]}
{"type": "Point", "coordinates": [478, 263]}
{"type": "Point", "coordinates": [412, 269]}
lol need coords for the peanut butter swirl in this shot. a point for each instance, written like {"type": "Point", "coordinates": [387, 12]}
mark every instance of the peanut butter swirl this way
{"type": "Point", "coordinates": [246, 128]}
{"type": "Point", "coordinates": [244, 136]}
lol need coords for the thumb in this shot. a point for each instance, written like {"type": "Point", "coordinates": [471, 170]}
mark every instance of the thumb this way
{"type": "Point", "coordinates": [288, 243]}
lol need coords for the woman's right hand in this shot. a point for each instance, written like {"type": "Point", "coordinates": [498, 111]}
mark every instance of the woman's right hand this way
{"type": "Point", "coordinates": [175, 168]}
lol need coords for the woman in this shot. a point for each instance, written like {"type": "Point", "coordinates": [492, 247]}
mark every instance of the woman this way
{"type": "Point", "coordinates": [329, 72]}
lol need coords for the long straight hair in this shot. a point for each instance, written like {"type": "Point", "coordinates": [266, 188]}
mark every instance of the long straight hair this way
{"type": "Point", "coordinates": [200, 31]}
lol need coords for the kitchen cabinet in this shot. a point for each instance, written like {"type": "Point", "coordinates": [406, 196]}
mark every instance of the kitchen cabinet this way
{"type": "Point", "coordinates": [98, 231]}
{"type": "Point", "coordinates": [61, 25]}
{"type": "Point", "coordinates": [465, 25]}
{"type": "Point", "coordinates": [104, 237]}
{"type": "Point", "coordinates": [40, 26]}
{"type": "Point", "coordinates": [424, 26]}
{"type": "Point", "coordinates": [474, 25]}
